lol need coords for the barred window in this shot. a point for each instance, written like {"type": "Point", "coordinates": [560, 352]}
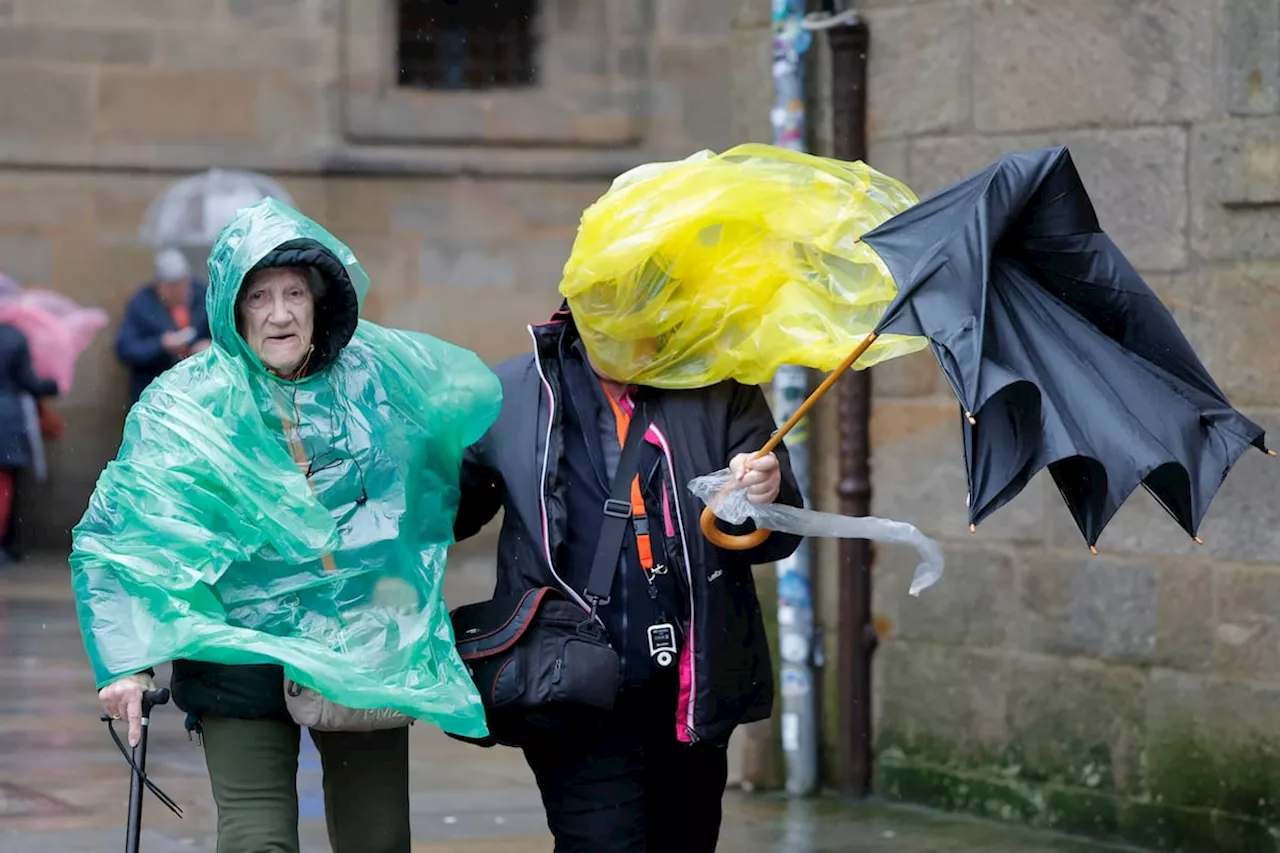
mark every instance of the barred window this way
{"type": "Point", "coordinates": [467, 44]}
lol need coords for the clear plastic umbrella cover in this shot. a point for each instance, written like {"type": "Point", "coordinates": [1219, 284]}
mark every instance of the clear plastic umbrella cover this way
{"type": "Point", "coordinates": [193, 210]}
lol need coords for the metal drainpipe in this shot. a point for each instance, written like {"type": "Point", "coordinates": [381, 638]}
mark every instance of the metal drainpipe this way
{"type": "Point", "coordinates": [790, 387]}
{"type": "Point", "coordinates": [857, 635]}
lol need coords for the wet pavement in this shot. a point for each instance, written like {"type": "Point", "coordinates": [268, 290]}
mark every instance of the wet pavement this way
{"type": "Point", "coordinates": [64, 786]}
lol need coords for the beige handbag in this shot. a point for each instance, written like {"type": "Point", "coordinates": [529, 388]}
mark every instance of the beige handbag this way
{"type": "Point", "coordinates": [308, 708]}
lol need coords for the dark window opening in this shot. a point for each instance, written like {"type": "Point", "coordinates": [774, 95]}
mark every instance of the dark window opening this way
{"type": "Point", "coordinates": [467, 44]}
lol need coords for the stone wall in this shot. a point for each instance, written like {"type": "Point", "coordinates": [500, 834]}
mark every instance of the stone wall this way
{"type": "Point", "coordinates": [463, 206]}
{"type": "Point", "coordinates": [1136, 693]}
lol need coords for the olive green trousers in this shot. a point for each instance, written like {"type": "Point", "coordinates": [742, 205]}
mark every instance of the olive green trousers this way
{"type": "Point", "coordinates": [253, 768]}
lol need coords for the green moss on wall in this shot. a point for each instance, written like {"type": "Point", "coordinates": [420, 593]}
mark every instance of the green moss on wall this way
{"type": "Point", "coordinates": [1081, 812]}
{"type": "Point", "coordinates": [1189, 830]}
{"type": "Point", "coordinates": [1196, 795]}
{"type": "Point", "coordinates": [952, 790]}
{"type": "Point", "coordinates": [1185, 768]}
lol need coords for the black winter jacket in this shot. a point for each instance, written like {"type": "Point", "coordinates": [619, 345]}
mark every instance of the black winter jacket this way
{"type": "Point", "coordinates": [725, 668]}
{"type": "Point", "coordinates": [16, 379]}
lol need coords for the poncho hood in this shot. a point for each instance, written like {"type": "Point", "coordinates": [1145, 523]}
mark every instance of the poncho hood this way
{"type": "Point", "coordinates": [272, 234]}
{"type": "Point", "coordinates": [253, 519]}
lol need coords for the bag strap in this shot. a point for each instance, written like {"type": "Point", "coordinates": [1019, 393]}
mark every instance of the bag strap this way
{"type": "Point", "coordinates": [617, 512]}
{"type": "Point", "coordinates": [300, 459]}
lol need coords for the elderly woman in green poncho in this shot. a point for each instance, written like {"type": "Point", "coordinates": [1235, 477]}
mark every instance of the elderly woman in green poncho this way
{"type": "Point", "coordinates": [276, 525]}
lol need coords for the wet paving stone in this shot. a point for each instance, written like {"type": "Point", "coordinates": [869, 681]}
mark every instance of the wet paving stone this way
{"type": "Point", "coordinates": [64, 787]}
{"type": "Point", "coordinates": [17, 801]}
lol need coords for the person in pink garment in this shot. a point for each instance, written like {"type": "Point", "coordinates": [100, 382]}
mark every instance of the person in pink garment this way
{"type": "Point", "coordinates": [16, 380]}
{"type": "Point", "coordinates": [42, 334]}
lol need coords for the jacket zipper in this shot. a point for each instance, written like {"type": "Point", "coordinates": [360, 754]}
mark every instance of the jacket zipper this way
{"type": "Point", "coordinates": [542, 486]}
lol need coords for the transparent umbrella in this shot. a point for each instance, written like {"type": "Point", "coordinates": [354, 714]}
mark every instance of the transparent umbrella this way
{"type": "Point", "coordinates": [193, 210]}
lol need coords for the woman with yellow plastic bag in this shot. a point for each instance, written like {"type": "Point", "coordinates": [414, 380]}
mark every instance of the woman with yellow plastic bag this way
{"type": "Point", "coordinates": [689, 283]}
{"type": "Point", "coordinates": [728, 266]}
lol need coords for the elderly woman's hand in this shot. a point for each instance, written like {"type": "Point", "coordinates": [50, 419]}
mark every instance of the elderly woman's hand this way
{"type": "Point", "coordinates": [762, 477]}
{"type": "Point", "coordinates": [122, 700]}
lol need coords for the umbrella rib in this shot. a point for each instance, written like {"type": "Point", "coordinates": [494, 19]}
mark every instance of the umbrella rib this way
{"type": "Point", "coordinates": [1067, 415]}
{"type": "Point", "coordinates": [1123, 350]}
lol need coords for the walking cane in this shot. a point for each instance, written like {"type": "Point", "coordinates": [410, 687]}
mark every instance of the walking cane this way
{"type": "Point", "coordinates": [138, 761]}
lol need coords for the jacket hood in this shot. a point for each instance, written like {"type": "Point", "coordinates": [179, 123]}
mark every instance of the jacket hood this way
{"type": "Point", "coordinates": [563, 313]}
{"type": "Point", "coordinates": [273, 234]}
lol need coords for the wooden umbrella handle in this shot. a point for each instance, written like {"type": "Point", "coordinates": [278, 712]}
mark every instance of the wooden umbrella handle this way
{"type": "Point", "coordinates": [747, 541]}
{"type": "Point", "coordinates": [728, 541]}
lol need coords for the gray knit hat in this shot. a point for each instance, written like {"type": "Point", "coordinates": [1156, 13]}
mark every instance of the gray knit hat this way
{"type": "Point", "coordinates": [171, 265]}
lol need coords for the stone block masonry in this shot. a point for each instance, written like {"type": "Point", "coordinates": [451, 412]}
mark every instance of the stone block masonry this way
{"type": "Point", "coordinates": [1132, 695]}
{"type": "Point", "coordinates": [105, 102]}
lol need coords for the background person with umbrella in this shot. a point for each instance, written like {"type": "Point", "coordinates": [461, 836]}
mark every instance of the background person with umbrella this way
{"type": "Point", "coordinates": [164, 322]}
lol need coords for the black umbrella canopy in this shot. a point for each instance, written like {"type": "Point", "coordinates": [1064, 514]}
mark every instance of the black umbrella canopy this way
{"type": "Point", "coordinates": [1058, 351]}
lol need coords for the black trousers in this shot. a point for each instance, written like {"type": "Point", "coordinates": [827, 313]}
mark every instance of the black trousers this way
{"type": "Point", "coordinates": [628, 786]}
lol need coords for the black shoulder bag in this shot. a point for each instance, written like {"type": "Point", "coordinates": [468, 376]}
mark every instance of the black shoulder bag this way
{"type": "Point", "coordinates": [544, 666]}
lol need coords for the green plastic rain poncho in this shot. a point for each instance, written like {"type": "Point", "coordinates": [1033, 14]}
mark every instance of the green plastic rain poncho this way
{"type": "Point", "coordinates": [204, 540]}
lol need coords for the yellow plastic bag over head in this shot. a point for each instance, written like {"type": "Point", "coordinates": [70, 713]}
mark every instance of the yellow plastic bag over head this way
{"type": "Point", "coordinates": [724, 266]}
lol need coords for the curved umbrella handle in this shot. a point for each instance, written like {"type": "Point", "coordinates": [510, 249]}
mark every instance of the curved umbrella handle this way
{"type": "Point", "coordinates": [729, 541]}
{"type": "Point", "coordinates": [746, 541]}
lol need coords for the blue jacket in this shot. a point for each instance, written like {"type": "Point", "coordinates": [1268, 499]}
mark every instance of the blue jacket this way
{"type": "Point", "coordinates": [145, 321]}
{"type": "Point", "coordinates": [16, 379]}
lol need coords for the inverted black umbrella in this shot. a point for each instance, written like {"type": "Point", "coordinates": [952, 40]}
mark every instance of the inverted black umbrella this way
{"type": "Point", "coordinates": [1060, 354]}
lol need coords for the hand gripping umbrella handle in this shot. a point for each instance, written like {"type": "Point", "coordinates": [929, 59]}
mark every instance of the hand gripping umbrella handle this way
{"type": "Point", "coordinates": [747, 541]}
